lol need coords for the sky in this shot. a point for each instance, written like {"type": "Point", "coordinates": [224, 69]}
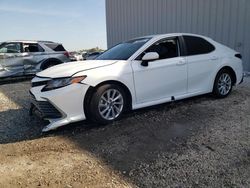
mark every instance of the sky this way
{"type": "Point", "coordinates": [77, 24]}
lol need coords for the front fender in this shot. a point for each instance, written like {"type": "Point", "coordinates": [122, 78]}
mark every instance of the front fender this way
{"type": "Point", "coordinates": [119, 72]}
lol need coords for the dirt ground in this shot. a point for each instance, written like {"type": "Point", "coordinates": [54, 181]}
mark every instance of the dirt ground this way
{"type": "Point", "coordinates": [199, 142]}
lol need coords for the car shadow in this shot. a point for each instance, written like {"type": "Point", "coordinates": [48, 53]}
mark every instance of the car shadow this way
{"type": "Point", "coordinates": [15, 123]}
{"type": "Point", "coordinates": [130, 145]}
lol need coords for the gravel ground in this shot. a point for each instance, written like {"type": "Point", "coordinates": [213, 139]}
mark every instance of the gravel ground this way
{"type": "Point", "coordinates": [199, 142]}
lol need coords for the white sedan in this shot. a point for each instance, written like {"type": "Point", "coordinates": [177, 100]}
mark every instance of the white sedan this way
{"type": "Point", "coordinates": [134, 74]}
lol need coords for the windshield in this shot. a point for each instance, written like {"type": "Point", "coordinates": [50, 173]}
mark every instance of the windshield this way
{"type": "Point", "coordinates": [123, 51]}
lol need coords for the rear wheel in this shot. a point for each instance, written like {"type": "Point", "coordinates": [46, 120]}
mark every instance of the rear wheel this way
{"type": "Point", "coordinates": [107, 104]}
{"type": "Point", "coordinates": [223, 84]}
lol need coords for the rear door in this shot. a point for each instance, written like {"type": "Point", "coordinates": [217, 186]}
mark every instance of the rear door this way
{"type": "Point", "coordinates": [11, 59]}
{"type": "Point", "coordinates": [202, 59]}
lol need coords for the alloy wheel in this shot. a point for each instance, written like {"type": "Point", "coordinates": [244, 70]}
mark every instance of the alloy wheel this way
{"type": "Point", "coordinates": [111, 104]}
{"type": "Point", "coordinates": [224, 84]}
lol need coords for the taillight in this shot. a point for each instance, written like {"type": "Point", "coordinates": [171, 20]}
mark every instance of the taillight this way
{"type": "Point", "coordinates": [66, 54]}
{"type": "Point", "coordinates": [238, 56]}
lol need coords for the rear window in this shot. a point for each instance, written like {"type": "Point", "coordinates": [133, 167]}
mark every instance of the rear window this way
{"type": "Point", "coordinates": [197, 45]}
{"type": "Point", "coordinates": [55, 47]}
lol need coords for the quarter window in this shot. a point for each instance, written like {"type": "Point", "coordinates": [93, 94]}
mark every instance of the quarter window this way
{"type": "Point", "coordinates": [197, 45]}
{"type": "Point", "coordinates": [55, 47]}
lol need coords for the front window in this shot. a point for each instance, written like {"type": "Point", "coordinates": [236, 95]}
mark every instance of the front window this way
{"type": "Point", "coordinates": [123, 51]}
{"type": "Point", "coordinates": [10, 48]}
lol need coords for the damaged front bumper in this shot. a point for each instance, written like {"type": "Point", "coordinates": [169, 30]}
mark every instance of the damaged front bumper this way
{"type": "Point", "coordinates": [60, 106]}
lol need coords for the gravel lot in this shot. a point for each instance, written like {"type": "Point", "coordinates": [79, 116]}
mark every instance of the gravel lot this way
{"type": "Point", "coordinates": [199, 142]}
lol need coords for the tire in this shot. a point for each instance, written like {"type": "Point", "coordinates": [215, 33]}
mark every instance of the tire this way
{"type": "Point", "coordinates": [223, 84]}
{"type": "Point", "coordinates": [104, 109]}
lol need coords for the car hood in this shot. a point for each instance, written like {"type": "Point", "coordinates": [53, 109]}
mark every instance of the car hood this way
{"type": "Point", "coordinates": [70, 68]}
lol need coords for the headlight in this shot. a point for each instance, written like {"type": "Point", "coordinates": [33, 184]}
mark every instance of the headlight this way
{"type": "Point", "coordinates": [62, 82]}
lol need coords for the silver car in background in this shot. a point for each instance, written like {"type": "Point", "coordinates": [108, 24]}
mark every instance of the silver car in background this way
{"type": "Point", "coordinates": [20, 58]}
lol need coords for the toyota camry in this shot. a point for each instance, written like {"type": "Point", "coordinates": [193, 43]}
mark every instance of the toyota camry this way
{"type": "Point", "coordinates": [134, 74]}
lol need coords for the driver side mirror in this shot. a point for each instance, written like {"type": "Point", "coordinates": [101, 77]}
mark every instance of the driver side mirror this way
{"type": "Point", "coordinates": [150, 56]}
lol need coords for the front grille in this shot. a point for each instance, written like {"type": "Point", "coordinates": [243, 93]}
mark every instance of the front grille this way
{"type": "Point", "coordinates": [46, 109]}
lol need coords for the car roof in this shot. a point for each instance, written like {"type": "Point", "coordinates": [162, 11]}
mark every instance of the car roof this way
{"type": "Point", "coordinates": [170, 35]}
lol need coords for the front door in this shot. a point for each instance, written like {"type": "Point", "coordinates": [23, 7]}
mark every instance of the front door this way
{"type": "Point", "coordinates": [11, 59]}
{"type": "Point", "coordinates": [162, 78]}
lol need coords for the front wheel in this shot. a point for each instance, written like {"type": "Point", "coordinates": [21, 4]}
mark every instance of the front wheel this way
{"type": "Point", "coordinates": [223, 84]}
{"type": "Point", "coordinates": [107, 103]}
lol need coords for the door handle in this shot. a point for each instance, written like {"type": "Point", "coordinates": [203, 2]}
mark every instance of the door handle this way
{"type": "Point", "coordinates": [181, 62]}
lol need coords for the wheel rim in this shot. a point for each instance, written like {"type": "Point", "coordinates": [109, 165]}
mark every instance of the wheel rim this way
{"type": "Point", "coordinates": [111, 104]}
{"type": "Point", "coordinates": [224, 84]}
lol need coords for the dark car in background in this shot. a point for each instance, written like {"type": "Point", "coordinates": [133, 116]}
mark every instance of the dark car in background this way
{"type": "Point", "coordinates": [20, 58]}
{"type": "Point", "coordinates": [91, 56]}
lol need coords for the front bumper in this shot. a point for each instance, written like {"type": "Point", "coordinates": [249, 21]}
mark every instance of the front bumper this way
{"type": "Point", "coordinates": [45, 108]}
{"type": "Point", "coordinates": [60, 106]}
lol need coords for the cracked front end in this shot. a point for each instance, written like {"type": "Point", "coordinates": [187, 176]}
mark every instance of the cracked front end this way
{"type": "Point", "coordinates": [60, 106]}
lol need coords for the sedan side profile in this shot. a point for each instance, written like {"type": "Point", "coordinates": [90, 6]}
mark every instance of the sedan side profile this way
{"type": "Point", "coordinates": [20, 58]}
{"type": "Point", "coordinates": [134, 74]}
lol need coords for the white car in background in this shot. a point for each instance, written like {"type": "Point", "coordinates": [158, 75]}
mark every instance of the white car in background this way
{"type": "Point", "coordinates": [75, 56]}
{"type": "Point", "coordinates": [79, 56]}
{"type": "Point", "coordinates": [138, 73]}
